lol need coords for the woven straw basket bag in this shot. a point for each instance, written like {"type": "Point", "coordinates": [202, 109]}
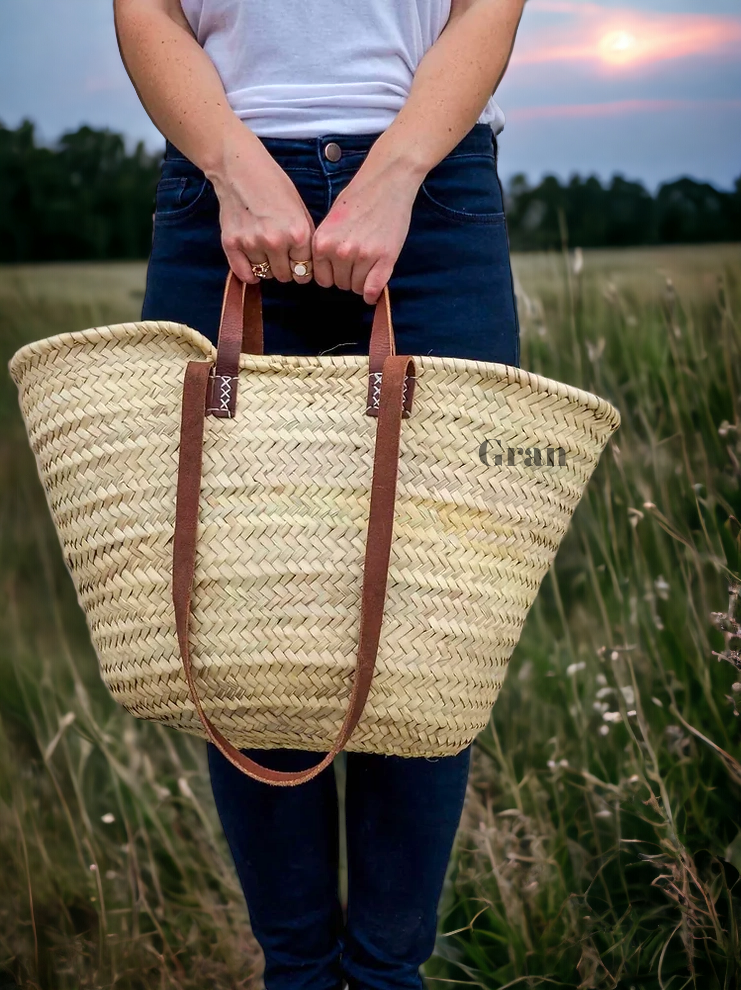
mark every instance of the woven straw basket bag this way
{"type": "Point", "coordinates": [303, 552]}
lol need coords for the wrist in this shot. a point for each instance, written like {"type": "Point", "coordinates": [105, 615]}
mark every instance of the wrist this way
{"type": "Point", "coordinates": [400, 157]}
{"type": "Point", "coordinates": [239, 148]}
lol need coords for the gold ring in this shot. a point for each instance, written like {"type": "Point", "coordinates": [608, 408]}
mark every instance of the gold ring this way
{"type": "Point", "coordinates": [261, 270]}
{"type": "Point", "coordinates": [301, 268]}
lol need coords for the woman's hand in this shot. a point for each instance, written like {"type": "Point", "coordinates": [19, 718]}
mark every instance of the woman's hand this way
{"type": "Point", "coordinates": [359, 241]}
{"type": "Point", "coordinates": [262, 217]}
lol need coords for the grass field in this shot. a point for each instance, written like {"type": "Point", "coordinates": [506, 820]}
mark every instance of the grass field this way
{"type": "Point", "coordinates": [600, 845]}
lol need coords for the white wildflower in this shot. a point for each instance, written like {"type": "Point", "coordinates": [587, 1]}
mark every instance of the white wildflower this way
{"type": "Point", "coordinates": [634, 516]}
{"type": "Point", "coordinates": [184, 788]}
{"type": "Point", "coordinates": [594, 351]}
{"type": "Point", "coordinates": [725, 428]}
{"type": "Point", "coordinates": [108, 818]}
{"type": "Point", "coordinates": [574, 668]}
{"type": "Point", "coordinates": [661, 585]}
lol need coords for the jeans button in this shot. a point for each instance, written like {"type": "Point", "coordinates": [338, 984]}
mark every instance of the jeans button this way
{"type": "Point", "coordinates": [332, 152]}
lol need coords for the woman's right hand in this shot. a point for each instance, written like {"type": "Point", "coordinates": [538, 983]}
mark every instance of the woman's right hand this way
{"type": "Point", "coordinates": [262, 216]}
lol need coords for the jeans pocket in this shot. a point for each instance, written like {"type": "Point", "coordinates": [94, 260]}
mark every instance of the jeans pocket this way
{"type": "Point", "coordinates": [465, 188]}
{"type": "Point", "coordinates": [179, 196]}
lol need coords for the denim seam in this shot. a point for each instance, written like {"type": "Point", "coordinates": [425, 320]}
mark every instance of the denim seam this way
{"type": "Point", "coordinates": [459, 215]}
{"type": "Point", "coordinates": [183, 212]}
{"type": "Point", "coordinates": [511, 274]}
{"type": "Point", "coordinates": [287, 167]}
{"type": "Point", "coordinates": [467, 154]}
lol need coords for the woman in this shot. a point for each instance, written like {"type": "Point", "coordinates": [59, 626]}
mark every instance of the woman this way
{"type": "Point", "coordinates": [329, 147]}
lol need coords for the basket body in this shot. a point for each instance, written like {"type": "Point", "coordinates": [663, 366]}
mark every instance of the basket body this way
{"type": "Point", "coordinates": [282, 527]}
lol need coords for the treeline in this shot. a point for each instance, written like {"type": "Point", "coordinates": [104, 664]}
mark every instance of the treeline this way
{"type": "Point", "coordinates": [621, 214]}
{"type": "Point", "coordinates": [89, 198]}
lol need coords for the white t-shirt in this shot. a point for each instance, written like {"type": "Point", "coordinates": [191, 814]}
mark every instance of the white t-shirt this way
{"type": "Point", "coordinates": [306, 68]}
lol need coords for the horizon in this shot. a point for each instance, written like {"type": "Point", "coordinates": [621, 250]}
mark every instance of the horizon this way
{"type": "Point", "coordinates": [605, 181]}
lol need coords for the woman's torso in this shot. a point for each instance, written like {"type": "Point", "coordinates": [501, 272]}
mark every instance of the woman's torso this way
{"type": "Point", "coordinates": [306, 68]}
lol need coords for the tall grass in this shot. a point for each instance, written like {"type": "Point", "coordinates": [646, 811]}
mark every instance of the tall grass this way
{"type": "Point", "coordinates": [600, 844]}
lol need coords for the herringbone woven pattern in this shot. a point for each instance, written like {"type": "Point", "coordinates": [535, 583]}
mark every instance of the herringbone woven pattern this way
{"type": "Point", "coordinates": [284, 510]}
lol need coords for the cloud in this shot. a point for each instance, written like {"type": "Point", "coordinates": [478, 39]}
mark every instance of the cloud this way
{"type": "Point", "coordinates": [617, 108]}
{"type": "Point", "coordinates": [562, 30]}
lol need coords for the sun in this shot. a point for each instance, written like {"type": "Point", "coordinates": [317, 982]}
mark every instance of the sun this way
{"type": "Point", "coordinates": [618, 46]}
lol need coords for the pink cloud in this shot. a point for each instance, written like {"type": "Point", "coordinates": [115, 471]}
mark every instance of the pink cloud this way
{"type": "Point", "coordinates": [620, 37]}
{"type": "Point", "coordinates": [618, 107]}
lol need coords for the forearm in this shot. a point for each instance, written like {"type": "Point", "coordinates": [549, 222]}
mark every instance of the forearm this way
{"type": "Point", "coordinates": [452, 85]}
{"type": "Point", "coordinates": [179, 86]}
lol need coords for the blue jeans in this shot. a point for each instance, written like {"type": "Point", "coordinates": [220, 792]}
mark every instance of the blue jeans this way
{"type": "Point", "coordinates": [451, 295]}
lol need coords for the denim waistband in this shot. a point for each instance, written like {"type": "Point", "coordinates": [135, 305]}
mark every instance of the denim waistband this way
{"type": "Point", "coordinates": [309, 152]}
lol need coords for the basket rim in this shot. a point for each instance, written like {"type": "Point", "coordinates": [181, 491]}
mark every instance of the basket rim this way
{"type": "Point", "coordinates": [539, 384]}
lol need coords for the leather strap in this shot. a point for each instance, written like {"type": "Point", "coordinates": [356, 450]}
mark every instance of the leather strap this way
{"type": "Point", "coordinates": [397, 376]}
{"type": "Point", "coordinates": [241, 331]}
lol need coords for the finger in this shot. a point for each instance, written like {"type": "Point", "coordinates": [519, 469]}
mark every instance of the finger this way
{"type": "Point", "coordinates": [301, 252]}
{"type": "Point", "coordinates": [323, 273]}
{"type": "Point", "coordinates": [360, 271]}
{"type": "Point", "coordinates": [278, 258]}
{"type": "Point", "coordinates": [241, 266]}
{"type": "Point", "coordinates": [342, 265]}
{"type": "Point", "coordinates": [376, 279]}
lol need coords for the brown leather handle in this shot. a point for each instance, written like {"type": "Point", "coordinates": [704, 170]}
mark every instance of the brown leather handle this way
{"type": "Point", "coordinates": [241, 331]}
{"type": "Point", "coordinates": [396, 383]}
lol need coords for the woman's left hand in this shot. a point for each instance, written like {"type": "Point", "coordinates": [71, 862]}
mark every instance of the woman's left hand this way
{"type": "Point", "coordinates": [359, 241]}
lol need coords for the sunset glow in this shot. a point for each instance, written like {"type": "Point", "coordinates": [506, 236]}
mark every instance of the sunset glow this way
{"type": "Point", "coordinates": [618, 46]}
{"type": "Point", "coordinates": [622, 38]}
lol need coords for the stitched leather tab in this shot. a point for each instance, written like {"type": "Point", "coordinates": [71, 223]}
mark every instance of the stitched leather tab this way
{"type": "Point", "coordinates": [221, 398]}
{"type": "Point", "coordinates": [221, 395]}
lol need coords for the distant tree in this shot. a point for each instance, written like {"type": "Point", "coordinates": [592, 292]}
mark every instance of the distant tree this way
{"type": "Point", "coordinates": [85, 198]}
{"type": "Point", "coordinates": [621, 214]}
{"type": "Point", "coordinates": [689, 212]}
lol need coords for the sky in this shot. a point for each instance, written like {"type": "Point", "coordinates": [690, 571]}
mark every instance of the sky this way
{"type": "Point", "coordinates": [649, 89]}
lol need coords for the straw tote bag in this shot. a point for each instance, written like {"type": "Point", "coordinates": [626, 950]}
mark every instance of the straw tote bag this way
{"type": "Point", "coordinates": [279, 551]}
